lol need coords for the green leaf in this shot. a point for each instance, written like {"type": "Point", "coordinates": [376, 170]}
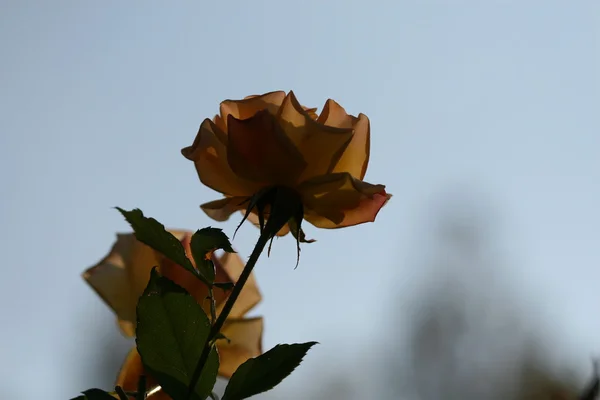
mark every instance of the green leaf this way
{"type": "Point", "coordinates": [152, 233]}
{"type": "Point", "coordinates": [264, 372]}
{"type": "Point", "coordinates": [171, 331]}
{"type": "Point", "coordinates": [203, 243]}
{"type": "Point", "coordinates": [94, 394]}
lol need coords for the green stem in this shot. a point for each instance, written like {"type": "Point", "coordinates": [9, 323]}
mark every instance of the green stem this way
{"type": "Point", "coordinates": [213, 305]}
{"type": "Point", "coordinates": [216, 327]}
{"type": "Point", "coordinates": [122, 395]}
{"type": "Point", "coordinates": [141, 388]}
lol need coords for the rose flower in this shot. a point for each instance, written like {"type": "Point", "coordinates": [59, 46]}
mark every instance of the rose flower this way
{"type": "Point", "coordinates": [121, 277]}
{"type": "Point", "coordinates": [271, 140]}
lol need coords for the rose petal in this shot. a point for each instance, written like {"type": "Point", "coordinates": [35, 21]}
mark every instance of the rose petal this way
{"type": "Point", "coordinates": [335, 115]}
{"type": "Point", "coordinates": [129, 376]}
{"type": "Point", "coordinates": [246, 342]}
{"type": "Point", "coordinates": [339, 200]}
{"type": "Point", "coordinates": [356, 155]}
{"type": "Point", "coordinates": [260, 151]}
{"type": "Point", "coordinates": [221, 210]}
{"type": "Point", "coordinates": [121, 277]}
{"type": "Point", "coordinates": [249, 297]}
{"type": "Point", "coordinates": [312, 112]}
{"type": "Point", "coordinates": [246, 108]}
{"type": "Point", "coordinates": [321, 146]}
{"type": "Point", "coordinates": [143, 258]}
{"type": "Point", "coordinates": [220, 123]}
{"type": "Point", "coordinates": [110, 279]}
{"type": "Point", "coordinates": [209, 154]}
{"type": "Point", "coordinates": [127, 327]}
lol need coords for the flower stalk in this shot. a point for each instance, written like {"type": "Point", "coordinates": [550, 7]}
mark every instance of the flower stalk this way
{"type": "Point", "coordinates": [284, 205]}
{"type": "Point", "coordinates": [216, 327]}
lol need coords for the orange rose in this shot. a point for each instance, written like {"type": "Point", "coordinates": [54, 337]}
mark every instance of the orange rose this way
{"type": "Point", "coordinates": [121, 277]}
{"type": "Point", "coordinates": [271, 140]}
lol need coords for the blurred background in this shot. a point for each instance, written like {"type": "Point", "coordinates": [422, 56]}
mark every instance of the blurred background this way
{"type": "Point", "coordinates": [478, 280]}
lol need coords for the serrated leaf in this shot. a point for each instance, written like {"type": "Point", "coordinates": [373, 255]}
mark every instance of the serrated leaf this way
{"type": "Point", "coordinates": [171, 331]}
{"type": "Point", "coordinates": [94, 394]}
{"type": "Point", "coordinates": [257, 375]}
{"type": "Point", "coordinates": [203, 243]}
{"type": "Point", "coordinates": [152, 233]}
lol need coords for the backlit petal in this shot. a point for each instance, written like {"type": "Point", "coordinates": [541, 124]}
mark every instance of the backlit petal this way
{"type": "Point", "coordinates": [246, 342]}
{"type": "Point", "coordinates": [356, 155]}
{"type": "Point", "coordinates": [221, 210]}
{"type": "Point", "coordinates": [110, 279]}
{"type": "Point", "coordinates": [246, 108]}
{"type": "Point", "coordinates": [312, 112]}
{"type": "Point", "coordinates": [140, 262]}
{"type": "Point", "coordinates": [260, 151]}
{"type": "Point", "coordinates": [143, 259]}
{"type": "Point", "coordinates": [121, 277]}
{"type": "Point", "coordinates": [339, 200]}
{"type": "Point", "coordinates": [209, 154]}
{"type": "Point", "coordinates": [220, 123]}
{"type": "Point", "coordinates": [334, 115]}
{"type": "Point", "coordinates": [321, 146]}
{"type": "Point", "coordinates": [127, 327]}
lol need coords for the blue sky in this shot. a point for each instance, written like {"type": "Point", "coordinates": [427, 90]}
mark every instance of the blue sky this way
{"type": "Point", "coordinates": [498, 98]}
